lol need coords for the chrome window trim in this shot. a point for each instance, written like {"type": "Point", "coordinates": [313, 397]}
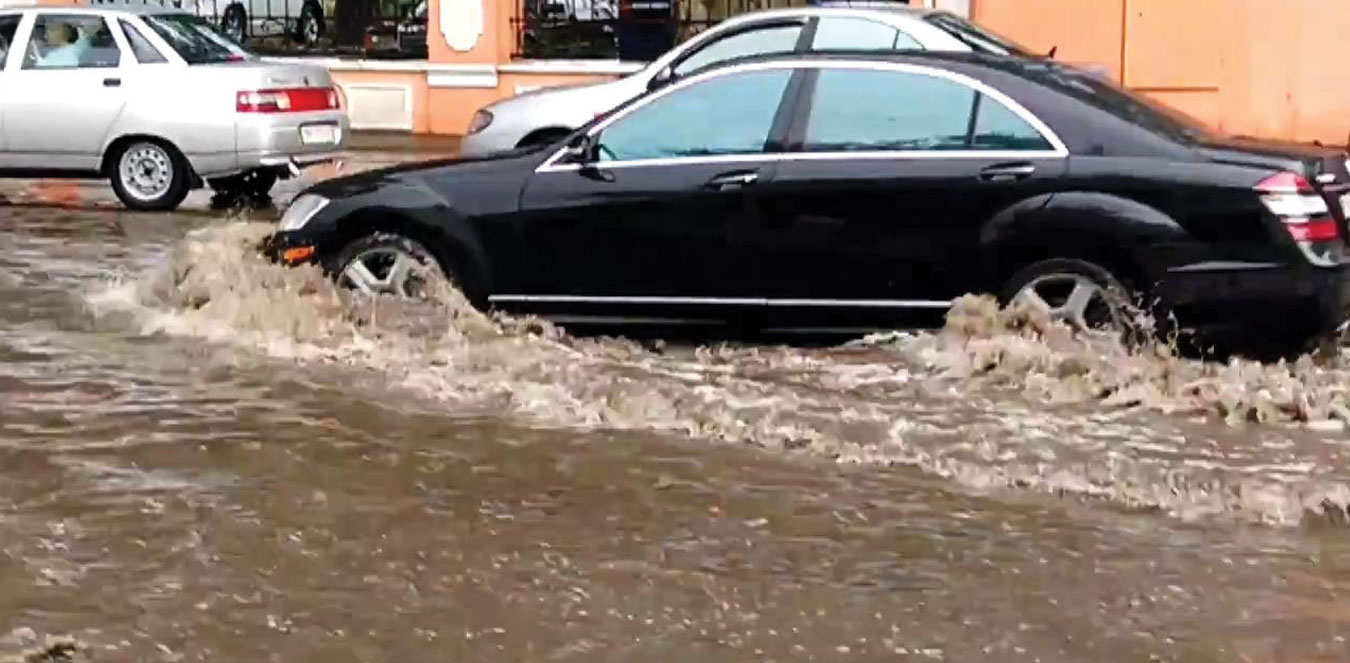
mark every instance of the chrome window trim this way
{"type": "Point", "coordinates": [720, 301]}
{"type": "Point", "coordinates": [1058, 148]}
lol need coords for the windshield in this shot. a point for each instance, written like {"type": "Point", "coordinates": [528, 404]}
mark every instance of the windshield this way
{"type": "Point", "coordinates": [196, 39]}
{"type": "Point", "coordinates": [976, 37]}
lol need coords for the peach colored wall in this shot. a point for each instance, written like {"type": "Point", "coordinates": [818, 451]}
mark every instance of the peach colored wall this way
{"type": "Point", "coordinates": [415, 81]}
{"type": "Point", "coordinates": [1245, 66]}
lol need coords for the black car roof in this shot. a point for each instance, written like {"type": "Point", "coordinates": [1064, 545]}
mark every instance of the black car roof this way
{"type": "Point", "coordinates": [1076, 102]}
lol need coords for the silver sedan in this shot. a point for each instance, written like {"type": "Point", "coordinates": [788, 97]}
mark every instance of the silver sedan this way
{"type": "Point", "coordinates": [157, 101]}
{"type": "Point", "coordinates": [546, 116]}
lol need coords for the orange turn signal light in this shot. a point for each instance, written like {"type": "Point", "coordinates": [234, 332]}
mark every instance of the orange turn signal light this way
{"type": "Point", "coordinates": [296, 254]}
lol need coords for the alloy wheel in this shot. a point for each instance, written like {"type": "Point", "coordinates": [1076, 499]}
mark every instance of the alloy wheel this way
{"type": "Point", "coordinates": [384, 270]}
{"type": "Point", "coordinates": [1077, 301]}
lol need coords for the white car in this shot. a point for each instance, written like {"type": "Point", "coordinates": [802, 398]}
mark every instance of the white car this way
{"type": "Point", "coordinates": [158, 101]}
{"type": "Point", "coordinates": [549, 115]}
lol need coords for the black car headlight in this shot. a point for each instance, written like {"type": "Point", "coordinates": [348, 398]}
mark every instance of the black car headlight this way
{"type": "Point", "coordinates": [301, 210]}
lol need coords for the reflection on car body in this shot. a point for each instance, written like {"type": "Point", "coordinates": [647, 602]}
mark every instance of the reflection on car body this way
{"type": "Point", "coordinates": [850, 192]}
{"type": "Point", "coordinates": [156, 100]}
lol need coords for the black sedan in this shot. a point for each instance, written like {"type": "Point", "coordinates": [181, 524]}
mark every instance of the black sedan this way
{"type": "Point", "coordinates": [853, 192]}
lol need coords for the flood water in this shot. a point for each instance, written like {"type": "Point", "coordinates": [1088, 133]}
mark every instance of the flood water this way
{"type": "Point", "coordinates": [207, 458]}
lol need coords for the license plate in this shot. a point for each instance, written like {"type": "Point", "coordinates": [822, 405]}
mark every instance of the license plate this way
{"type": "Point", "coordinates": [318, 134]}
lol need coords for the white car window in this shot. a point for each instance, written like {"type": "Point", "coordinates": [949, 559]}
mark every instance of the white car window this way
{"type": "Point", "coordinates": [8, 26]}
{"type": "Point", "coordinates": [860, 34]}
{"type": "Point", "coordinates": [757, 41]}
{"type": "Point", "coordinates": [71, 41]}
{"type": "Point", "coordinates": [145, 52]}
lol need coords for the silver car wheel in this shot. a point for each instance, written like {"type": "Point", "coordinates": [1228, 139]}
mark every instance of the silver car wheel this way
{"type": "Point", "coordinates": [1077, 301]}
{"type": "Point", "coordinates": [383, 270]}
{"type": "Point", "coordinates": [146, 170]}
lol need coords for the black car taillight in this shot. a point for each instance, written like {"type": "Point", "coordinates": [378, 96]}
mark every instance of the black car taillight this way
{"type": "Point", "coordinates": [1292, 199]}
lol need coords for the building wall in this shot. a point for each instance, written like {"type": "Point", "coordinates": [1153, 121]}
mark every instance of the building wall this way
{"type": "Point", "coordinates": [1245, 66]}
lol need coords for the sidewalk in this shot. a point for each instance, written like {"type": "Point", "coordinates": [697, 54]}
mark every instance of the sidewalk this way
{"type": "Point", "coordinates": [365, 150]}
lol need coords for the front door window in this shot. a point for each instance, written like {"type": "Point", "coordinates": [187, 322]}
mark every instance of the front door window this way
{"type": "Point", "coordinates": [860, 34]}
{"type": "Point", "coordinates": [9, 25]}
{"type": "Point", "coordinates": [757, 41]}
{"type": "Point", "coordinates": [64, 41]}
{"type": "Point", "coordinates": [725, 115]}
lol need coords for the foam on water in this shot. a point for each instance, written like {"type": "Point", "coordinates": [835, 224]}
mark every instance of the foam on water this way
{"type": "Point", "coordinates": [997, 399]}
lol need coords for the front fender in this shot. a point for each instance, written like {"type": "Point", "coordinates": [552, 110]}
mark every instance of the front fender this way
{"type": "Point", "coordinates": [412, 208]}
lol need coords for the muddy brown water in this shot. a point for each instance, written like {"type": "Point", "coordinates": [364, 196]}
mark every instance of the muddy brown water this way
{"type": "Point", "coordinates": [206, 458]}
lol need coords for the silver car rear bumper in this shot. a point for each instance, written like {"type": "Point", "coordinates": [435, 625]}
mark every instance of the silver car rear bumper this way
{"type": "Point", "coordinates": [274, 141]}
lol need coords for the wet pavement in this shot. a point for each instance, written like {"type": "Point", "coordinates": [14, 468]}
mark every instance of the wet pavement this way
{"type": "Point", "coordinates": [207, 458]}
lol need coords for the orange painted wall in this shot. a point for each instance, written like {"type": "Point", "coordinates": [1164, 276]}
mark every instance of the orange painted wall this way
{"type": "Point", "coordinates": [1245, 66]}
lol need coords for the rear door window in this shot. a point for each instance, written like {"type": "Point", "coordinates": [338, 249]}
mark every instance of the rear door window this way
{"type": "Point", "coordinates": [756, 41]}
{"type": "Point", "coordinates": [881, 110]}
{"type": "Point", "coordinates": [9, 26]}
{"type": "Point", "coordinates": [726, 115]}
{"type": "Point", "coordinates": [71, 41]}
{"type": "Point", "coordinates": [860, 34]}
{"type": "Point", "coordinates": [145, 52]}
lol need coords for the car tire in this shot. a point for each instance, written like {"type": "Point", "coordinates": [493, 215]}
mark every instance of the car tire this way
{"type": "Point", "coordinates": [149, 175]}
{"type": "Point", "coordinates": [384, 265]}
{"type": "Point", "coordinates": [310, 28]}
{"type": "Point", "coordinates": [254, 184]}
{"type": "Point", "coordinates": [1082, 294]}
{"type": "Point", "coordinates": [234, 23]}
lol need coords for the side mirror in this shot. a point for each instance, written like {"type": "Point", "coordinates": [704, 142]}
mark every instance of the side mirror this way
{"type": "Point", "coordinates": [578, 149]}
{"type": "Point", "coordinates": [661, 79]}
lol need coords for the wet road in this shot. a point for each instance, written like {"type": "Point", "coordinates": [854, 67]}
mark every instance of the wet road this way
{"type": "Point", "coordinates": [203, 457]}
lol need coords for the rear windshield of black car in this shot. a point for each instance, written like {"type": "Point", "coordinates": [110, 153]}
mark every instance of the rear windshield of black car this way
{"type": "Point", "coordinates": [196, 39]}
{"type": "Point", "coordinates": [1124, 103]}
{"type": "Point", "coordinates": [976, 37]}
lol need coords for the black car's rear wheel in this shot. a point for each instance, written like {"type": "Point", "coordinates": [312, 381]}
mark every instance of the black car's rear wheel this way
{"type": "Point", "coordinates": [1080, 294]}
{"type": "Point", "coordinates": [386, 264]}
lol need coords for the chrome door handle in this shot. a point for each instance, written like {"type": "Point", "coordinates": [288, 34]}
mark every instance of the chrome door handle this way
{"type": "Point", "coordinates": [732, 181]}
{"type": "Point", "coordinates": [1007, 172]}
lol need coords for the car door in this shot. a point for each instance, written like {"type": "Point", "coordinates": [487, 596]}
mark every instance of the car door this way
{"type": "Point", "coordinates": [657, 222]}
{"type": "Point", "coordinates": [9, 32]}
{"type": "Point", "coordinates": [891, 172]}
{"type": "Point", "coordinates": [65, 93]}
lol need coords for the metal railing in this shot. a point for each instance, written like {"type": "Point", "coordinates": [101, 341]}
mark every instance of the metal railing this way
{"type": "Point", "coordinates": [620, 29]}
{"type": "Point", "coordinates": [368, 28]}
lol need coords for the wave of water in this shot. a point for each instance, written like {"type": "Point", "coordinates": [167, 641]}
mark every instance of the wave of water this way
{"type": "Point", "coordinates": [997, 399]}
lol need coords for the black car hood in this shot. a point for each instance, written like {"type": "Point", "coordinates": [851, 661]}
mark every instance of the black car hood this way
{"type": "Point", "coordinates": [369, 180]}
{"type": "Point", "coordinates": [1274, 154]}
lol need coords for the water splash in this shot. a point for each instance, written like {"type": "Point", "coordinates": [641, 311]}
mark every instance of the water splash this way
{"type": "Point", "coordinates": [997, 399]}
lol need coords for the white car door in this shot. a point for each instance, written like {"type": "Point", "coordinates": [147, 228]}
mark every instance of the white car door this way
{"type": "Point", "coordinates": [63, 93]}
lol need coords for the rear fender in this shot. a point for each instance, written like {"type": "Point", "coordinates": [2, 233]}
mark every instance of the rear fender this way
{"type": "Point", "coordinates": [1092, 226]}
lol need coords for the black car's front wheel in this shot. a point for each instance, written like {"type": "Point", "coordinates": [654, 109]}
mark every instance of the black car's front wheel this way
{"type": "Point", "coordinates": [385, 263]}
{"type": "Point", "coordinates": [1081, 294]}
